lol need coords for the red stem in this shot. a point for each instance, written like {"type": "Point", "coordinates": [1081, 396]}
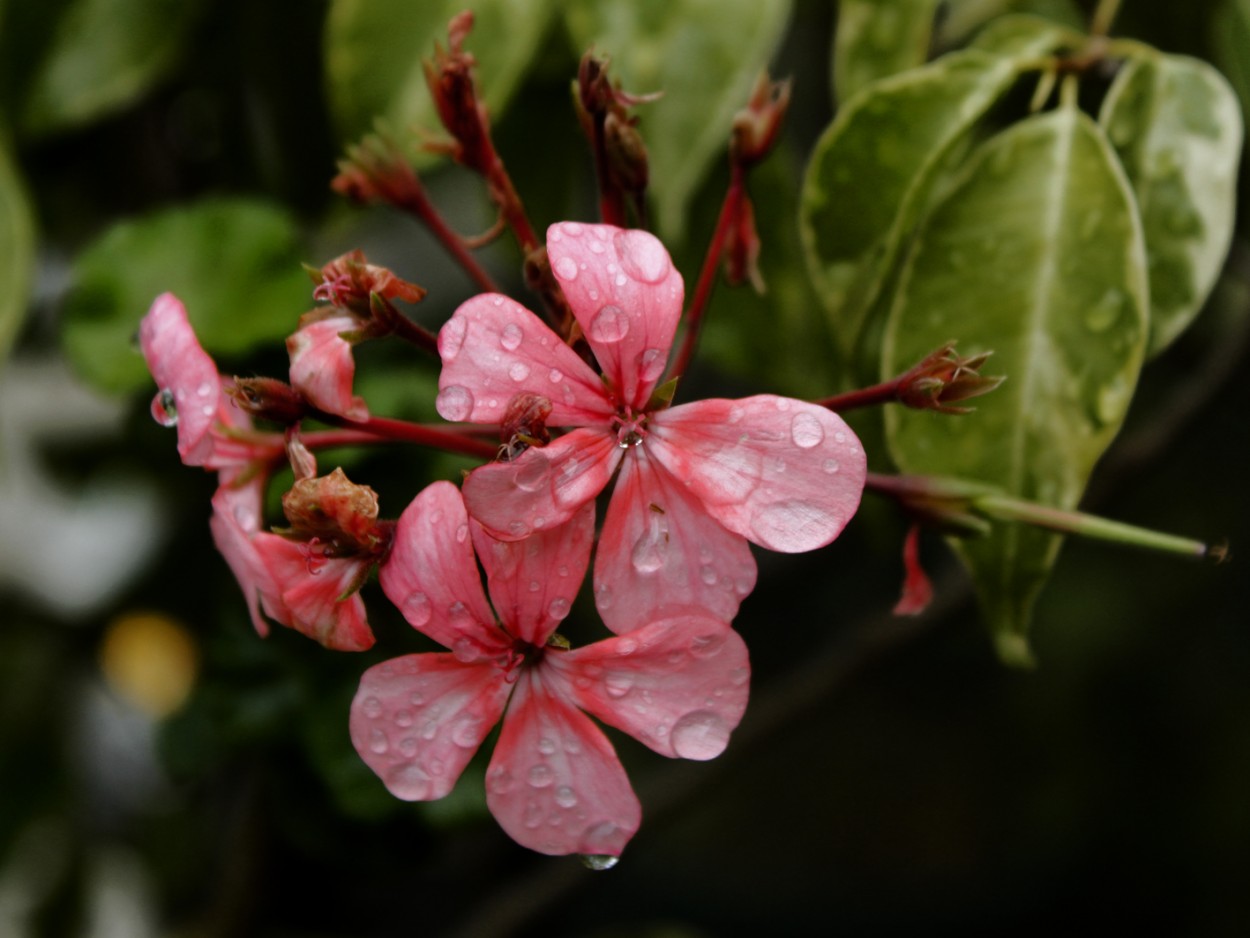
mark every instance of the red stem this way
{"type": "Point", "coordinates": [883, 393]}
{"type": "Point", "coordinates": [711, 263]}
{"type": "Point", "coordinates": [402, 431]}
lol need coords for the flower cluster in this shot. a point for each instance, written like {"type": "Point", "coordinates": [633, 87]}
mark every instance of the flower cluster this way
{"type": "Point", "coordinates": [694, 484]}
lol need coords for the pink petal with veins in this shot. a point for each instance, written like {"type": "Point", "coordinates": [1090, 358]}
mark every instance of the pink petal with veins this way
{"type": "Point", "coordinates": [626, 295]}
{"type": "Point", "coordinates": [785, 474]}
{"type": "Point", "coordinates": [417, 720]}
{"type": "Point", "coordinates": [432, 576]}
{"type": "Point", "coordinates": [678, 685]}
{"type": "Point", "coordinates": [544, 486]}
{"type": "Point", "coordinates": [185, 374]}
{"type": "Point", "coordinates": [323, 368]}
{"type": "Point", "coordinates": [493, 349]}
{"type": "Point", "coordinates": [235, 521]}
{"type": "Point", "coordinates": [554, 783]}
{"type": "Point", "coordinates": [660, 548]}
{"type": "Point", "coordinates": [319, 593]}
{"type": "Point", "coordinates": [534, 581]}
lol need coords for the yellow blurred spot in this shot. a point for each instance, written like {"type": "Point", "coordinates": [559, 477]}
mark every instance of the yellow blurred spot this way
{"type": "Point", "coordinates": [151, 660]}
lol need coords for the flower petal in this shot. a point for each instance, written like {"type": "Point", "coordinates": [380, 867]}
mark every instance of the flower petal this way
{"type": "Point", "coordinates": [679, 685]}
{"type": "Point", "coordinates": [534, 581]}
{"type": "Point", "coordinates": [544, 486]}
{"type": "Point", "coordinates": [185, 375]}
{"type": "Point", "coordinates": [785, 474]}
{"type": "Point", "coordinates": [236, 519]}
{"type": "Point", "coordinates": [418, 720]}
{"type": "Point", "coordinates": [320, 593]}
{"type": "Point", "coordinates": [322, 366]}
{"type": "Point", "coordinates": [626, 294]}
{"type": "Point", "coordinates": [661, 549]}
{"type": "Point", "coordinates": [554, 783]}
{"type": "Point", "coordinates": [431, 575]}
{"type": "Point", "coordinates": [493, 348]}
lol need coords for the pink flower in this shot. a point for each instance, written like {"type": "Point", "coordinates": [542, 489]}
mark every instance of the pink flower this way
{"type": "Point", "coordinates": [554, 783]}
{"type": "Point", "coordinates": [697, 481]}
{"type": "Point", "coordinates": [322, 366]}
{"type": "Point", "coordinates": [190, 393]}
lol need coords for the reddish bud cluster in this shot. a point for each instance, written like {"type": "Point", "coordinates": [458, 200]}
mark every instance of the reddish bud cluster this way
{"type": "Point", "coordinates": [943, 378]}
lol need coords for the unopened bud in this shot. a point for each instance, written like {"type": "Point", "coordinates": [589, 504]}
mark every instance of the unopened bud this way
{"type": "Point", "coordinates": [942, 378]}
{"type": "Point", "coordinates": [341, 515]}
{"type": "Point", "coordinates": [268, 399]}
{"type": "Point", "coordinates": [756, 126]}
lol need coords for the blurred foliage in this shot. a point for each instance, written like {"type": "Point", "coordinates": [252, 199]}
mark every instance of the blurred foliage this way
{"type": "Point", "coordinates": [889, 776]}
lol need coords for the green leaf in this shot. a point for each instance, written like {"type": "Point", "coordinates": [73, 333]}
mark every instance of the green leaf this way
{"type": "Point", "coordinates": [871, 172]}
{"type": "Point", "coordinates": [105, 54]}
{"type": "Point", "coordinates": [1176, 126]}
{"type": "Point", "coordinates": [703, 56]}
{"type": "Point", "coordinates": [1230, 38]}
{"type": "Point", "coordinates": [17, 250]}
{"type": "Point", "coordinates": [235, 264]}
{"type": "Point", "coordinates": [1037, 255]}
{"type": "Point", "coordinates": [374, 51]}
{"type": "Point", "coordinates": [964, 17]}
{"type": "Point", "coordinates": [1024, 35]}
{"type": "Point", "coordinates": [878, 38]}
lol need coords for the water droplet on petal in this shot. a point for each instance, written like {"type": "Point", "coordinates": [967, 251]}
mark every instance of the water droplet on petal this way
{"type": "Point", "coordinates": [558, 608]}
{"type": "Point", "coordinates": [739, 676]}
{"type": "Point", "coordinates": [700, 735]}
{"type": "Point", "coordinates": [565, 268]}
{"type": "Point", "coordinates": [417, 610]}
{"type": "Point", "coordinates": [403, 718]}
{"type": "Point", "coordinates": [518, 371]}
{"type": "Point", "coordinates": [708, 575]}
{"type": "Point", "coordinates": [408, 746]}
{"type": "Point", "coordinates": [467, 733]}
{"type": "Point", "coordinates": [500, 781]}
{"type": "Point", "coordinates": [165, 408]}
{"type": "Point", "coordinates": [454, 403]}
{"type": "Point", "coordinates": [372, 707]}
{"type": "Point", "coordinates": [451, 337]}
{"type": "Point", "coordinates": [378, 743]}
{"type": "Point", "coordinates": [651, 549]}
{"type": "Point", "coordinates": [518, 528]}
{"type": "Point", "coordinates": [572, 228]}
{"type": "Point", "coordinates": [806, 430]}
{"type": "Point", "coordinates": [541, 775]}
{"type": "Point", "coordinates": [511, 337]}
{"type": "Point", "coordinates": [547, 746]}
{"type": "Point", "coordinates": [204, 389]}
{"type": "Point", "coordinates": [642, 256]}
{"type": "Point", "coordinates": [707, 646]}
{"type": "Point", "coordinates": [532, 474]}
{"type": "Point", "coordinates": [610, 324]}
{"type": "Point", "coordinates": [599, 861]}
{"type": "Point", "coordinates": [465, 650]}
{"type": "Point", "coordinates": [461, 533]}
{"type": "Point", "coordinates": [650, 364]}
{"type": "Point", "coordinates": [565, 796]}
{"type": "Point", "coordinates": [626, 646]}
{"type": "Point", "coordinates": [618, 685]}
{"type": "Point", "coordinates": [555, 376]}
{"type": "Point", "coordinates": [830, 466]}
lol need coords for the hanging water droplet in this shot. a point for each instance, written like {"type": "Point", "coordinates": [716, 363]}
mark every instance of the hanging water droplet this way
{"type": "Point", "coordinates": [611, 324]}
{"type": "Point", "coordinates": [454, 403]}
{"type": "Point", "coordinates": [700, 735]}
{"type": "Point", "coordinates": [598, 861]}
{"type": "Point", "coordinates": [642, 255]}
{"type": "Point", "coordinates": [541, 775]}
{"type": "Point", "coordinates": [165, 408]}
{"type": "Point", "coordinates": [651, 549]}
{"type": "Point", "coordinates": [565, 268]}
{"type": "Point", "coordinates": [806, 430]}
{"type": "Point", "coordinates": [511, 337]}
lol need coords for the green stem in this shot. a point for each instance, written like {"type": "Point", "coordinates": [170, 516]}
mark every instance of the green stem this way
{"type": "Point", "coordinates": [1104, 16]}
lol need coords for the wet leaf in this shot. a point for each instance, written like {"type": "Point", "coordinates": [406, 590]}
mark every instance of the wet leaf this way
{"type": "Point", "coordinates": [17, 250]}
{"type": "Point", "coordinates": [1037, 254]}
{"type": "Point", "coordinates": [877, 38]}
{"type": "Point", "coordinates": [1023, 34]}
{"type": "Point", "coordinates": [235, 264]}
{"type": "Point", "coordinates": [872, 170]}
{"type": "Point", "coordinates": [104, 55]}
{"type": "Point", "coordinates": [374, 51]}
{"type": "Point", "coordinates": [1176, 126]}
{"type": "Point", "coordinates": [704, 57]}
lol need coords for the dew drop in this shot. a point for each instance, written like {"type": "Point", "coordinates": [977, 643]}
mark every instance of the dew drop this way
{"type": "Point", "coordinates": [412, 780]}
{"type": "Point", "coordinates": [611, 324]}
{"type": "Point", "coordinates": [165, 408]}
{"type": "Point", "coordinates": [555, 376]}
{"type": "Point", "coordinates": [565, 268]}
{"type": "Point", "coordinates": [541, 775]}
{"type": "Point", "coordinates": [618, 685]}
{"type": "Point", "coordinates": [830, 466]}
{"type": "Point", "coordinates": [651, 549]}
{"type": "Point", "coordinates": [377, 742]}
{"type": "Point", "coordinates": [451, 337]}
{"type": "Point", "coordinates": [558, 609]}
{"type": "Point", "coordinates": [573, 229]}
{"type": "Point", "coordinates": [511, 337]}
{"type": "Point", "coordinates": [408, 746]}
{"type": "Point", "coordinates": [532, 474]}
{"type": "Point", "coordinates": [465, 650]}
{"type": "Point", "coordinates": [708, 575]}
{"type": "Point", "coordinates": [500, 781]}
{"type": "Point", "coordinates": [565, 796]}
{"type": "Point", "coordinates": [533, 814]}
{"type": "Point", "coordinates": [626, 646]}
{"type": "Point", "coordinates": [806, 430]}
{"type": "Point", "coordinates": [462, 532]}
{"type": "Point", "coordinates": [417, 609]}
{"type": "Point", "coordinates": [651, 364]}
{"type": "Point", "coordinates": [204, 389]}
{"type": "Point", "coordinates": [599, 861]}
{"type": "Point", "coordinates": [403, 718]}
{"type": "Point", "coordinates": [1104, 314]}
{"type": "Point", "coordinates": [700, 735]}
{"type": "Point", "coordinates": [454, 402]}
{"type": "Point", "coordinates": [547, 746]}
{"type": "Point", "coordinates": [642, 256]}
{"type": "Point", "coordinates": [372, 708]}
{"type": "Point", "coordinates": [467, 733]}
{"type": "Point", "coordinates": [518, 371]}
{"type": "Point", "coordinates": [707, 646]}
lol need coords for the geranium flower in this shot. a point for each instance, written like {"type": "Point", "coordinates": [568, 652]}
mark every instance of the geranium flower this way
{"type": "Point", "coordinates": [323, 368]}
{"type": "Point", "coordinates": [678, 684]}
{"type": "Point", "coordinates": [697, 481]}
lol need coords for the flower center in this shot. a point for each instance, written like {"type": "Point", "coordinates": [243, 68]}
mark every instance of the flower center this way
{"type": "Point", "coordinates": [630, 430]}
